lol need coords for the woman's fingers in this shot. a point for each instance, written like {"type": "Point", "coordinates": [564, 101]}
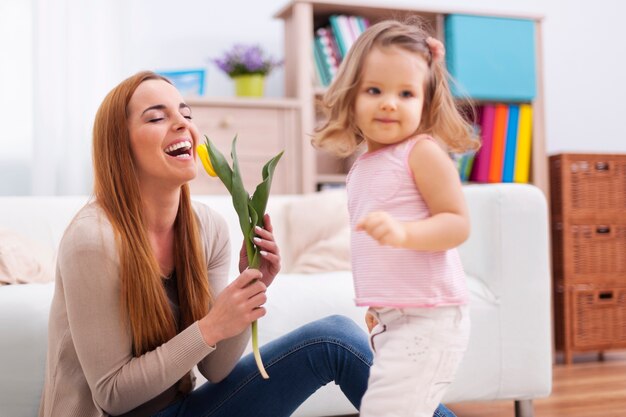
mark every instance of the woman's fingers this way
{"type": "Point", "coordinates": [247, 277]}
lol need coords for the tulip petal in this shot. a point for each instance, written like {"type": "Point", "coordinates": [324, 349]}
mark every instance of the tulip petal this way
{"type": "Point", "coordinates": [203, 155]}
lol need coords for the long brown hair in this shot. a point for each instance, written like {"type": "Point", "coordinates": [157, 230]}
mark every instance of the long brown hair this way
{"type": "Point", "coordinates": [116, 190]}
{"type": "Point", "coordinates": [440, 117]}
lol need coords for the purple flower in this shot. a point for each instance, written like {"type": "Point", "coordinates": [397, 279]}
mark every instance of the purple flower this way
{"type": "Point", "coordinates": [246, 59]}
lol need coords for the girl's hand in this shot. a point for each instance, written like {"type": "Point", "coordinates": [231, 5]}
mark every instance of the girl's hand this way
{"type": "Point", "coordinates": [235, 308]}
{"type": "Point", "coordinates": [437, 49]}
{"type": "Point", "coordinates": [370, 321]}
{"type": "Point", "coordinates": [384, 228]}
{"type": "Point", "coordinates": [270, 254]}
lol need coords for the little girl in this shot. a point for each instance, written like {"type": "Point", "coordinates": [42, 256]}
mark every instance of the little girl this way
{"type": "Point", "coordinates": [407, 212]}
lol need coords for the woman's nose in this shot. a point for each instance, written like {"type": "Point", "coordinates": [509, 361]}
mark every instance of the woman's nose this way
{"type": "Point", "coordinates": [180, 123]}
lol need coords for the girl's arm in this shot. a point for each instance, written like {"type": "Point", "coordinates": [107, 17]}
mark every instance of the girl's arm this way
{"type": "Point", "coordinates": [438, 181]}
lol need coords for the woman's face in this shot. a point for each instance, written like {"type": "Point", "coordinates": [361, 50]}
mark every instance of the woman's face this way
{"type": "Point", "coordinates": [162, 135]}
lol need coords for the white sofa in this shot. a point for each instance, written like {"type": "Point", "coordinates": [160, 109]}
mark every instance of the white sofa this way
{"type": "Point", "coordinates": [506, 260]}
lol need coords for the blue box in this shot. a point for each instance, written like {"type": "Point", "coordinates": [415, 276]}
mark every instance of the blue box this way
{"type": "Point", "coordinates": [188, 82]}
{"type": "Point", "coordinates": [491, 58]}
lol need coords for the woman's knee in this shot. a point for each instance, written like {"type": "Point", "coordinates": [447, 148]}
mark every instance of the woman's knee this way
{"type": "Point", "coordinates": [339, 329]}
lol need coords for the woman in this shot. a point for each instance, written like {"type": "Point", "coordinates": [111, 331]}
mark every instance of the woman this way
{"type": "Point", "coordinates": [142, 293]}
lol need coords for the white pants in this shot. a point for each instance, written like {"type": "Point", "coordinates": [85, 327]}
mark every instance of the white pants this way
{"type": "Point", "coordinates": [416, 354]}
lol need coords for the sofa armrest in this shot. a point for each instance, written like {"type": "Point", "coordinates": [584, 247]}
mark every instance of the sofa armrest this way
{"type": "Point", "coordinates": [508, 252]}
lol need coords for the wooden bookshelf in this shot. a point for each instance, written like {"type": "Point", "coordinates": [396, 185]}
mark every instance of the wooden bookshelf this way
{"type": "Point", "coordinates": [302, 17]}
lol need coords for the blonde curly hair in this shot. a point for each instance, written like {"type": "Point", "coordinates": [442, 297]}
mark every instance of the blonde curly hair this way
{"type": "Point", "coordinates": [441, 118]}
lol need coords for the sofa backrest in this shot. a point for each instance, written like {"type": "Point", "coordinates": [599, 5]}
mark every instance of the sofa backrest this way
{"type": "Point", "coordinates": [44, 219]}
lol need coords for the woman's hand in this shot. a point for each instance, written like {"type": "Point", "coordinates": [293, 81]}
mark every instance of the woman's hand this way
{"type": "Point", "coordinates": [270, 254]}
{"type": "Point", "coordinates": [235, 308]}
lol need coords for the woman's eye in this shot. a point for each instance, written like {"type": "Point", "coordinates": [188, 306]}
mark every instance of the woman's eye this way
{"type": "Point", "coordinates": [373, 90]}
{"type": "Point", "coordinates": [188, 117]}
{"type": "Point", "coordinates": [156, 119]}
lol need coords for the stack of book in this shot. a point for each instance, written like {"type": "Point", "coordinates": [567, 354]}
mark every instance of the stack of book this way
{"type": "Point", "coordinates": [333, 41]}
{"type": "Point", "coordinates": [506, 140]}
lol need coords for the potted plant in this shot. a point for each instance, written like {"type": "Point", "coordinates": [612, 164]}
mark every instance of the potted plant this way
{"type": "Point", "coordinates": [247, 65]}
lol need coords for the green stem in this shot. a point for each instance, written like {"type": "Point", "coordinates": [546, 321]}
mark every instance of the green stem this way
{"type": "Point", "coordinates": [254, 262]}
{"type": "Point", "coordinates": [255, 351]}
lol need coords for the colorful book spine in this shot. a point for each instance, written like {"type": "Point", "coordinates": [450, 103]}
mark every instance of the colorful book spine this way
{"type": "Point", "coordinates": [498, 142]}
{"type": "Point", "coordinates": [480, 171]}
{"type": "Point", "coordinates": [328, 54]}
{"type": "Point", "coordinates": [332, 40]}
{"type": "Point", "coordinates": [365, 23]}
{"type": "Point", "coordinates": [338, 32]}
{"type": "Point", "coordinates": [464, 164]}
{"type": "Point", "coordinates": [524, 144]}
{"type": "Point", "coordinates": [341, 28]}
{"type": "Point", "coordinates": [508, 170]}
{"type": "Point", "coordinates": [320, 66]}
{"type": "Point", "coordinates": [355, 27]}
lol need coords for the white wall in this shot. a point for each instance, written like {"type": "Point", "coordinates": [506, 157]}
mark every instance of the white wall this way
{"type": "Point", "coordinates": [16, 91]}
{"type": "Point", "coordinates": [584, 54]}
{"type": "Point", "coordinates": [584, 57]}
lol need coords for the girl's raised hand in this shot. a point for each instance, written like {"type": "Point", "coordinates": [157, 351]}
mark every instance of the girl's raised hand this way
{"type": "Point", "coordinates": [270, 253]}
{"type": "Point", "coordinates": [436, 48]}
{"type": "Point", "coordinates": [384, 228]}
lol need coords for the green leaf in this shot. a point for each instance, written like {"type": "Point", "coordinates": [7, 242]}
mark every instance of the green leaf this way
{"type": "Point", "coordinates": [240, 199]}
{"type": "Point", "coordinates": [220, 164]}
{"type": "Point", "coordinates": [262, 192]}
{"type": "Point", "coordinates": [253, 261]}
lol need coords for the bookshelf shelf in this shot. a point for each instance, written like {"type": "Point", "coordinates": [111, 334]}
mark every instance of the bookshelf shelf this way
{"type": "Point", "coordinates": [301, 19]}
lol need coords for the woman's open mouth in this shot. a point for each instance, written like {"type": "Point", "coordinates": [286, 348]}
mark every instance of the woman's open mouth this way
{"type": "Point", "coordinates": [180, 150]}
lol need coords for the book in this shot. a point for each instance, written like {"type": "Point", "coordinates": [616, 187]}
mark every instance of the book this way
{"type": "Point", "coordinates": [480, 171]}
{"type": "Point", "coordinates": [341, 29]}
{"type": "Point", "coordinates": [510, 149]}
{"type": "Point", "coordinates": [464, 164]}
{"type": "Point", "coordinates": [498, 142]}
{"type": "Point", "coordinates": [320, 65]}
{"type": "Point", "coordinates": [332, 41]}
{"type": "Point", "coordinates": [491, 58]}
{"type": "Point", "coordinates": [524, 144]}
{"type": "Point", "coordinates": [326, 51]}
{"type": "Point", "coordinates": [355, 27]}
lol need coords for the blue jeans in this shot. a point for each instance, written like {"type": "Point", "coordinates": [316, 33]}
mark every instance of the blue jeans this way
{"type": "Point", "coordinates": [299, 363]}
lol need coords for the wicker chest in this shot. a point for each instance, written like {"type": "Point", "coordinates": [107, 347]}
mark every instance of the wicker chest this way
{"type": "Point", "coordinates": [588, 225]}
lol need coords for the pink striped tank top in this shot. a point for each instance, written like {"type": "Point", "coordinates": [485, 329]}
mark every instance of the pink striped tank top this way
{"type": "Point", "coordinates": [384, 276]}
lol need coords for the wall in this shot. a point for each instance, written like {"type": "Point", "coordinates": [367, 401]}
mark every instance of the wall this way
{"type": "Point", "coordinates": [15, 97]}
{"type": "Point", "coordinates": [582, 41]}
{"type": "Point", "coordinates": [583, 60]}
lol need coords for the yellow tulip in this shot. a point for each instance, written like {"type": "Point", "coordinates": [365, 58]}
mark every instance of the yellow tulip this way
{"type": "Point", "coordinates": [250, 210]}
{"type": "Point", "coordinates": [203, 154]}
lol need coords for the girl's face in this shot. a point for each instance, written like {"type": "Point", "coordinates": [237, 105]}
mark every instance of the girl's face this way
{"type": "Point", "coordinates": [388, 106]}
{"type": "Point", "coordinates": [162, 135]}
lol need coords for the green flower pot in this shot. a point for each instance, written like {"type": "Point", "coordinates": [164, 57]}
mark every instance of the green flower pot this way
{"type": "Point", "coordinates": [249, 85]}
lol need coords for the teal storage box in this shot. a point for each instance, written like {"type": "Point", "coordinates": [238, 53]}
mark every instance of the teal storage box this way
{"type": "Point", "coordinates": [491, 58]}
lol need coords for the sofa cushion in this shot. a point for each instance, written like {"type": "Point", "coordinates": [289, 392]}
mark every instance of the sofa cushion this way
{"type": "Point", "coordinates": [319, 246]}
{"type": "Point", "coordinates": [23, 260]}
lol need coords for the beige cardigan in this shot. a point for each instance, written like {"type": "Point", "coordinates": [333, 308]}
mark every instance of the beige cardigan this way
{"type": "Point", "coordinates": [90, 368]}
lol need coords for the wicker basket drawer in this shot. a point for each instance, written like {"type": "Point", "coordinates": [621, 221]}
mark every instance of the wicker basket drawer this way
{"type": "Point", "coordinates": [585, 184]}
{"type": "Point", "coordinates": [598, 249]}
{"type": "Point", "coordinates": [599, 319]}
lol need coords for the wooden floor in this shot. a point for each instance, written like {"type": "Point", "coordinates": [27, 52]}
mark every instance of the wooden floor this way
{"type": "Point", "coordinates": [587, 388]}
